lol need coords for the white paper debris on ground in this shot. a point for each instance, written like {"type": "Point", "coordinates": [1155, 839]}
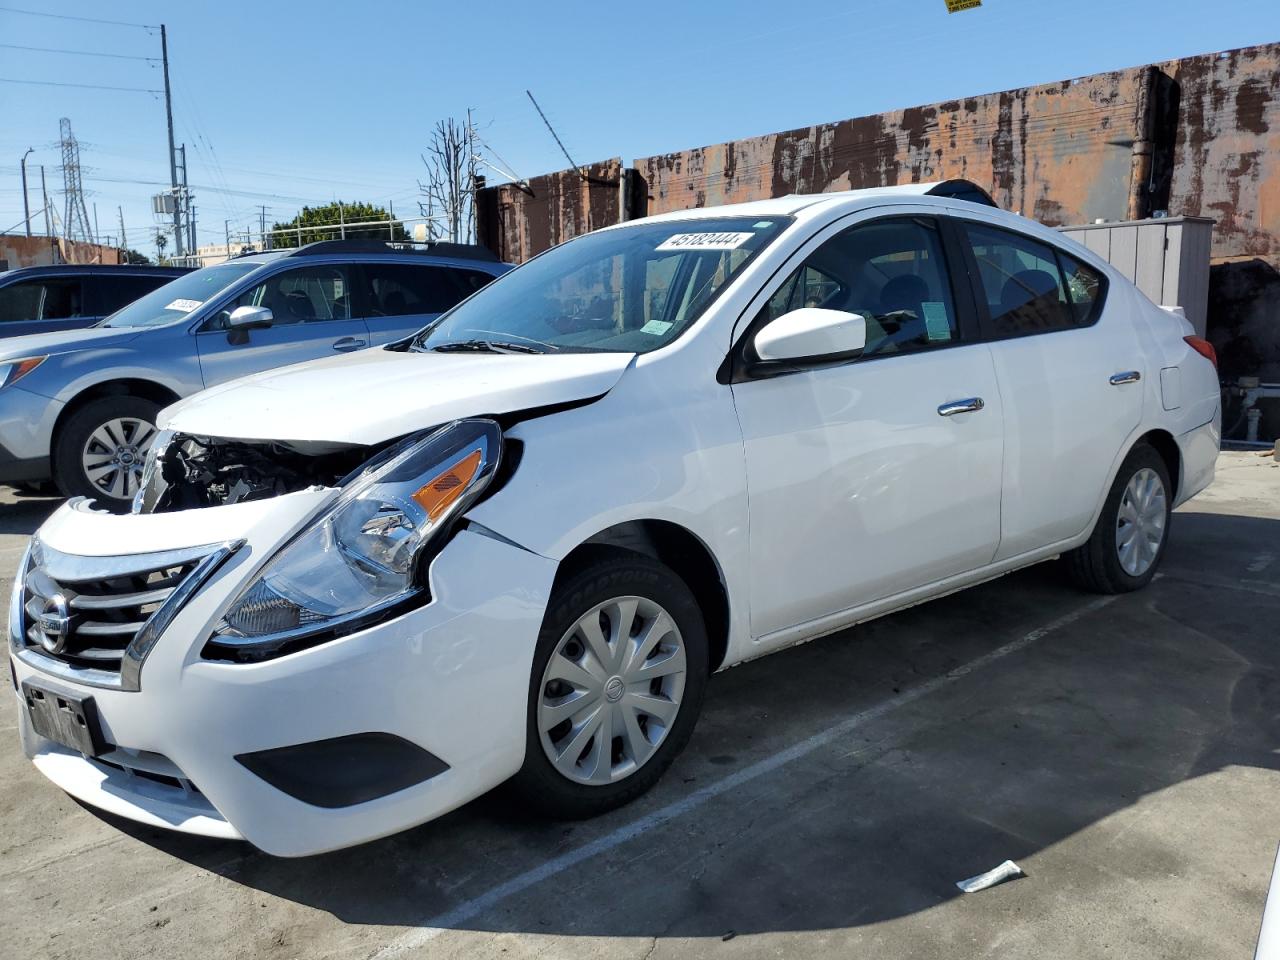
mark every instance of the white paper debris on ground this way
{"type": "Point", "coordinates": [1006, 871]}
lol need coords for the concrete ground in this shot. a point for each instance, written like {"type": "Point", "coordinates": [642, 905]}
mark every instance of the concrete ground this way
{"type": "Point", "coordinates": [1123, 751]}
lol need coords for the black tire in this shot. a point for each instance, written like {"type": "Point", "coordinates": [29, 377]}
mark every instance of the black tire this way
{"type": "Point", "coordinates": [69, 445]}
{"type": "Point", "coordinates": [1095, 565]}
{"type": "Point", "coordinates": [603, 575]}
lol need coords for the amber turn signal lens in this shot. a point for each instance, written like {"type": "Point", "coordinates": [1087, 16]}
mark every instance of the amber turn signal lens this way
{"type": "Point", "coordinates": [437, 495]}
{"type": "Point", "coordinates": [22, 367]}
{"type": "Point", "coordinates": [1204, 348]}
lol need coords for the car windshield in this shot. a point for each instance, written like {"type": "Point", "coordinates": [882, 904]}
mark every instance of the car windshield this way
{"type": "Point", "coordinates": [180, 297]}
{"type": "Point", "coordinates": [633, 289]}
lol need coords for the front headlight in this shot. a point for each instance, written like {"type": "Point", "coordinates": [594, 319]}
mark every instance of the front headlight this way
{"type": "Point", "coordinates": [11, 371]}
{"type": "Point", "coordinates": [363, 553]}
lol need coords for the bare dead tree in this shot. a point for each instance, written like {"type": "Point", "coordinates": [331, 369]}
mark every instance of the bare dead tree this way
{"type": "Point", "coordinates": [449, 188]}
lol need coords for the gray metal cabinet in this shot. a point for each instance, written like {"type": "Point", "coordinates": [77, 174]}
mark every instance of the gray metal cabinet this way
{"type": "Point", "coordinates": [1166, 258]}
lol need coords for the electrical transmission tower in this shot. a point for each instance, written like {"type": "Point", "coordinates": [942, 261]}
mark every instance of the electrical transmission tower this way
{"type": "Point", "coordinates": [75, 222]}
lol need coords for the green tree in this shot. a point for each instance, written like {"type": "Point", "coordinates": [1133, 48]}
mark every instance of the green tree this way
{"type": "Point", "coordinates": [133, 256]}
{"type": "Point", "coordinates": [324, 223]}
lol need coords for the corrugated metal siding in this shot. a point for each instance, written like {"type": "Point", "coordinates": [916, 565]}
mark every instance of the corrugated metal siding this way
{"type": "Point", "coordinates": [1227, 152]}
{"type": "Point", "coordinates": [517, 224]}
{"type": "Point", "coordinates": [1060, 153]}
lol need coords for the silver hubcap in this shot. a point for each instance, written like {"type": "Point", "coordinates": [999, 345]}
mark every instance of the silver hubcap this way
{"type": "Point", "coordinates": [1141, 521]}
{"type": "Point", "coordinates": [113, 456]}
{"type": "Point", "coordinates": [611, 690]}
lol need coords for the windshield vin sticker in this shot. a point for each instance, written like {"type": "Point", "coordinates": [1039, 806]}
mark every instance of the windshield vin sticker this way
{"type": "Point", "coordinates": [186, 306]}
{"type": "Point", "coordinates": [704, 241]}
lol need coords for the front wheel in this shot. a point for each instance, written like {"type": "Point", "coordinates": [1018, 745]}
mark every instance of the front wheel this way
{"type": "Point", "coordinates": [616, 687]}
{"type": "Point", "coordinates": [100, 450]}
{"type": "Point", "coordinates": [1127, 544]}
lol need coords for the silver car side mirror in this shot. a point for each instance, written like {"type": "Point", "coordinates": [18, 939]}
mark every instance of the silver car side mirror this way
{"type": "Point", "coordinates": [248, 318]}
{"type": "Point", "coordinates": [811, 336]}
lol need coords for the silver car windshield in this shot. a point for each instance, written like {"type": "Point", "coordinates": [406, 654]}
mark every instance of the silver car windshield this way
{"type": "Point", "coordinates": [633, 289]}
{"type": "Point", "coordinates": [179, 298]}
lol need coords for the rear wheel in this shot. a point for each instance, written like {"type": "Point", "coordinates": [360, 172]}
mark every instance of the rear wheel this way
{"type": "Point", "coordinates": [100, 451]}
{"type": "Point", "coordinates": [1128, 542]}
{"type": "Point", "coordinates": [616, 686]}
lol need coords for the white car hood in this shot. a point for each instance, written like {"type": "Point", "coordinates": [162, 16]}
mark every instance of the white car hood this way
{"type": "Point", "coordinates": [374, 395]}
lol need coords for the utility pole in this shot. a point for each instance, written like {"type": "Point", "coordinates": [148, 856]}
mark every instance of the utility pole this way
{"type": "Point", "coordinates": [471, 180]}
{"type": "Point", "coordinates": [124, 243]}
{"type": "Point", "coordinates": [342, 222]}
{"type": "Point", "coordinates": [226, 232]}
{"type": "Point", "coordinates": [26, 210]}
{"type": "Point", "coordinates": [188, 209]}
{"type": "Point", "coordinates": [44, 192]}
{"type": "Point", "coordinates": [173, 155]}
{"type": "Point", "coordinates": [96, 232]}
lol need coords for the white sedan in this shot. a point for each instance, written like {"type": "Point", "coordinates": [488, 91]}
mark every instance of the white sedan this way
{"type": "Point", "coordinates": [359, 592]}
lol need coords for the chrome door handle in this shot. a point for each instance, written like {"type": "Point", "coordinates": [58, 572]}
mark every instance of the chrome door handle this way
{"type": "Point", "coordinates": [347, 344]}
{"type": "Point", "coordinates": [1125, 376]}
{"type": "Point", "coordinates": [972, 405]}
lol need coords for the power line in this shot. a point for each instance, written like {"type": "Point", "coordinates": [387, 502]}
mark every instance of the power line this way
{"type": "Point", "coordinates": [64, 16]}
{"type": "Point", "coordinates": [87, 86]}
{"type": "Point", "coordinates": [79, 53]}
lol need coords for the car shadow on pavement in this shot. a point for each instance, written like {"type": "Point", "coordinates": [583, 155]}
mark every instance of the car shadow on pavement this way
{"type": "Point", "coordinates": [1130, 699]}
{"type": "Point", "coordinates": [22, 513]}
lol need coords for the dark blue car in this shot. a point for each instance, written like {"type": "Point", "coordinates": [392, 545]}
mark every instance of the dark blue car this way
{"type": "Point", "coordinates": [67, 296]}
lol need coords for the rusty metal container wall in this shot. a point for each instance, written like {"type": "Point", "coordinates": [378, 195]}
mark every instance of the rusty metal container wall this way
{"type": "Point", "coordinates": [1060, 152]}
{"type": "Point", "coordinates": [23, 251]}
{"type": "Point", "coordinates": [1227, 153]}
{"type": "Point", "coordinates": [518, 223]}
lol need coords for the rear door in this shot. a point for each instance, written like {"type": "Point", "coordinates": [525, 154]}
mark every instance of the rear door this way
{"type": "Point", "coordinates": [402, 298]}
{"type": "Point", "coordinates": [311, 317]}
{"type": "Point", "coordinates": [43, 305]}
{"type": "Point", "coordinates": [1069, 364]}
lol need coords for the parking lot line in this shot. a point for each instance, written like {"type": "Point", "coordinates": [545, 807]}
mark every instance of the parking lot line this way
{"type": "Point", "coordinates": [432, 927]}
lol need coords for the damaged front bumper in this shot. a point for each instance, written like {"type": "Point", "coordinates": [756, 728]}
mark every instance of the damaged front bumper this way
{"type": "Point", "coordinates": [308, 751]}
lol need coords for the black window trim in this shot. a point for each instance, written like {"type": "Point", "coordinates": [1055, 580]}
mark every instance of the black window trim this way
{"type": "Point", "coordinates": [978, 294]}
{"type": "Point", "coordinates": [738, 368]}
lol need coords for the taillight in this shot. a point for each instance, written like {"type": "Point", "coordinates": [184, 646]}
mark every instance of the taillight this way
{"type": "Point", "coordinates": [1204, 348]}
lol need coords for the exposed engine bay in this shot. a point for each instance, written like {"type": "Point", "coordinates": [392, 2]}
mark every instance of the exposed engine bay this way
{"type": "Point", "coordinates": [191, 471]}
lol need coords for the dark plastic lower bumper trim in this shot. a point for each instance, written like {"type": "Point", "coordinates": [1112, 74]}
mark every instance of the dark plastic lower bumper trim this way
{"type": "Point", "coordinates": [344, 771]}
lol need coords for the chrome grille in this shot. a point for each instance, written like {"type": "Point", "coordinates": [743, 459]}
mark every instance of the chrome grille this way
{"type": "Point", "coordinates": [102, 613]}
{"type": "Point", "coordinates": [94, 619]}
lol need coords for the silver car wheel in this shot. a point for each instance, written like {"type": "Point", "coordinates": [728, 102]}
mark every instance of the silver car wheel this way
{"type": "Point", "coordinates": [113, 456]}
{"type": "Point", "coordinates": [611, 690]}
{"type": "Point", "coordinates": [1140, 522]}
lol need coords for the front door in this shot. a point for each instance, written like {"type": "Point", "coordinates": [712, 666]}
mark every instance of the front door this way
{"type": "Point", "coordinates": [878, 475]}
{"type": "Point", "coordinates": [311, 317]}
{"type": "Point", "coordinates": [1070, 368]}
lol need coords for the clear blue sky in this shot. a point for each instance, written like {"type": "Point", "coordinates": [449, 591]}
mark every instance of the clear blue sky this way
{"type": "Point", "coordinates": [285, 103]}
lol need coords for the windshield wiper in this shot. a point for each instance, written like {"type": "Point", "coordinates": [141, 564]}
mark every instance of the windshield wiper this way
{"type": "Point", "coordinates": [482, 346]}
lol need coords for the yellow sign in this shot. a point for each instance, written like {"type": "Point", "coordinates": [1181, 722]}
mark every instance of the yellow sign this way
{"type": "Point", "coordinates": [955, 6]}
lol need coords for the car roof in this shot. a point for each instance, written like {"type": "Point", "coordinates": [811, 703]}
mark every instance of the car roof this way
{"type": "Point", "coordinates": [67, 269]}
{"type": "Point", "coordinates": [949, 190]}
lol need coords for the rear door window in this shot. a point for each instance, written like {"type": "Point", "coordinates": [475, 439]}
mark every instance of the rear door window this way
{"type": "Point", "coordinates": [110, 293]}
{"type": "Point", "coordinates": [21, 301]}
{"type": "Point", "coordinates": [403, 289]}
{"type": "Point", "coordinates": [1086, 288]}
{"type": "Point", "coordinates": [63, 299]}
{"type": "Point", "coordinates": [1020, 282]}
